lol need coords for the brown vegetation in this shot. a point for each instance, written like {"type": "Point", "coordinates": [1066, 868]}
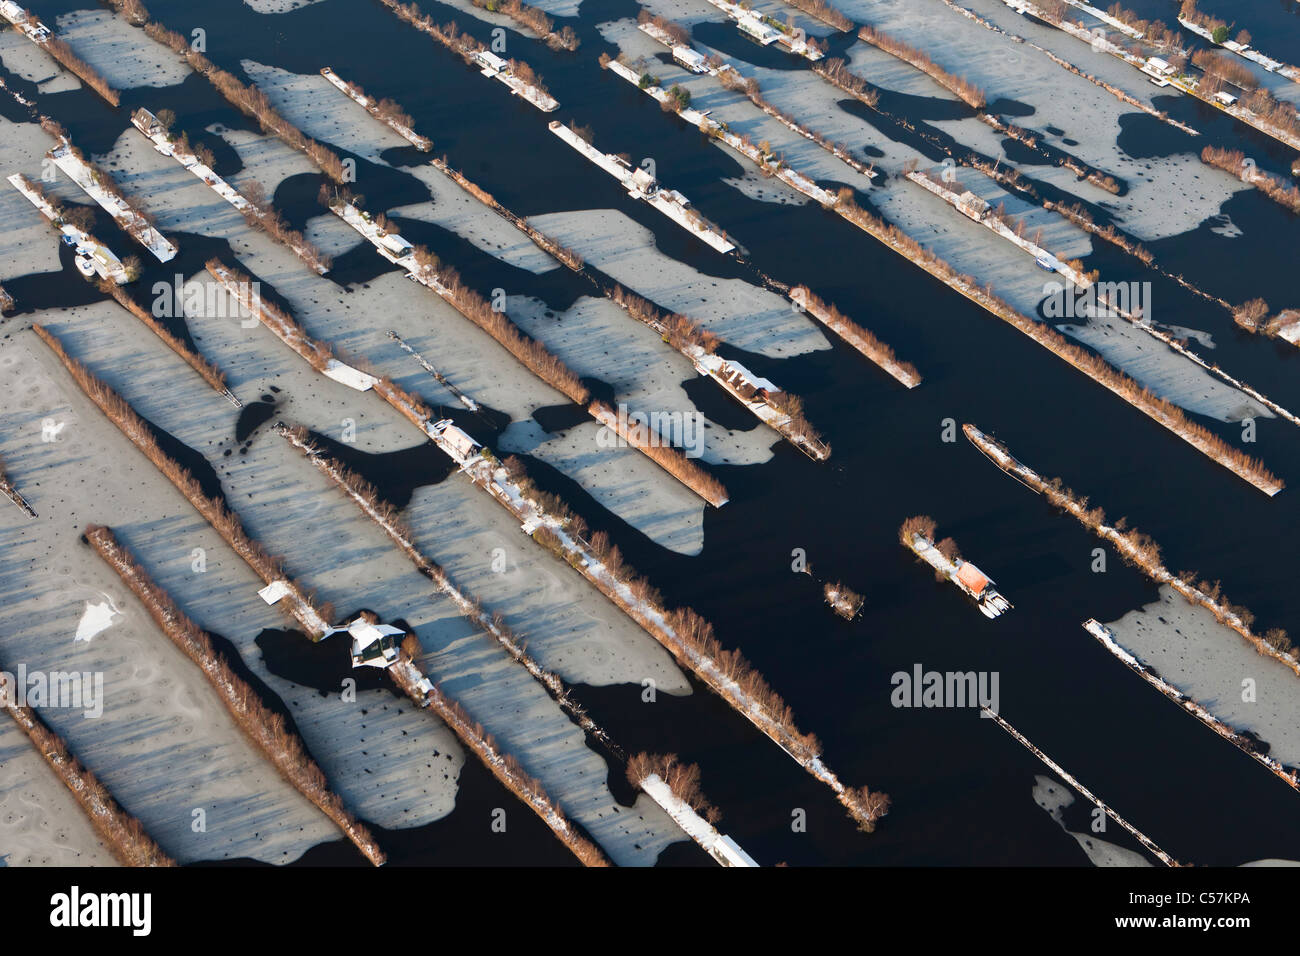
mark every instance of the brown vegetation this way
{"type": "Point", "coordinates": [1141, 551]}
{"type": "Point", "coordinates": [666, 456]}
{"type": "Point", "coordinates": [1090, 363]}
{"type": "Point", "coordinates": [845, 601]}
{"type": "Point", "coordinates": [503, 766]}
{"type": "Point", "coordinates": [1250, 315]}
{"type": "Point", "coordinates": [224, 521]}
{"type": "Point", "coordinates": [529, 351]}
{"type": "Point", "coordinates": [249, 100]}
{"type": "Point", "coordinates": [58, 48]}
{"type": "Point", "coordinates": [917, 524]}
{"type": "Point", "coordinates": [836, 71]}
{"type": "Point", "coordinates": [861, 339]}
{"type": "Point", "coordinates": [124, 834]}
{"type": "Point", "coordinates": [1225, 68]}
{"type": "Point", "coordinates": [265, 728]}
{"type": "Point", "coordinates": [536, 20]}
{"type": "Point", "coordinates": [209, 372]}
{"type": "Point", "coordinates": [367, 497]}
{"type": "Point", "coordinates": [682, 779]}
{"type": "Point", "coordinates": [825, 12]}
{"type": "Point", "coordinates": [687, 636]}
{"type": "Point", "coordinates": [1234, 161]}
{"type": "Point", "coordinates": [966, 91]}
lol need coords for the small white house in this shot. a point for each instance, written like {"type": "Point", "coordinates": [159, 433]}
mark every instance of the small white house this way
{"type": "Point", "coordinates": [1161, 67]}
{"type": "Point", "coordinates": [693, 60]}
{"type": "Point", "coordinates": [492, 62]}
{"type": "Point", "coordinates": [1224, 99]}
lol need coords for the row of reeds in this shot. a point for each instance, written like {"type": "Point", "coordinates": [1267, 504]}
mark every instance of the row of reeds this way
{"type": "Point", "coordinates": [862, 339]}
{"type": "Point", "coordinates": [1234, 161]}
{"type": "Point", "coordinates": [59, 48]}
{"type": "Point", "coordinates": [530, 352]}
{"type": "Point", "coordinates": [249, 100]}
{"type": "Point", "coordinates": [302, 605]}
{"type": "Point", "coordinates": [453, 38]}
{"type": "Point", "coordinates": [207, 370]}
{"type": "Point", "coordinates": [299, 603]}
{"type": "Point", "coordinates": [668, 457]}
{"type": "Point", "coordinates": [408, 674]}
{"type": "Point", "coordinates": [681, 778]}
{"type": "Point", "coordinates": [1091, 364]}
{"type": "Point", "coordinates": [367, 497]}
{"type": "Point", "coordinates": [525, 14]}
{"type": "Point", "coordinates": [686, 635]}
{"type": "Point", "coordinates": [1142, 551]}
{"type": "Point", "coordinates": [966, 91]}
{"type": "Point", "coordinates": [265, 728]}
{"type": "Point", "coordinates": [125, 835]}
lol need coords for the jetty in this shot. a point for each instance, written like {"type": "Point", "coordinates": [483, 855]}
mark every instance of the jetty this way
{"type": "Point", "coordinates": [967, 578]}
{"type": "Point", "coordinates": [644, 187]}
{"type": "Point", "coordinates": [767, 162]}
{"type": "Point", "coordinates": [354, 93]}
{"type": "Point", "coordinates": [168, 145]}
{"type": "Point", "coordinates": [1060, 771]}
{"type": "Point", "coordinates": [767, 30]}
{"type": "Point", "coordinates": [721, 847]}
{"type": "Point", "coordinates": [131, 220]}
{"type": "Point", "coordinates": [498, 69]}
{"type": "Point", "coordinates": [1245, 744]}
{"type": "Point", "coordinates": [441, 379]}
{"type": "Point", "coordinates": [93, 258]}
{"type": "Point", "coordinates": [1133, 546]}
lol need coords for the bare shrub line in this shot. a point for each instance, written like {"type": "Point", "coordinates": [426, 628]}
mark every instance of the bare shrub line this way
{"type": "Point", "coordinates": [263, 727]}
{"type": "Point", "coordinates": [125, 835]}
{"type": "Point", "coordinates": [686, 635]}
{"type": "Point", "coordinates": [681, 778]}
{"type": "Point", "coordinates": [408, 675]}
{"type": "Point", "coordinates": [1234, 162]}
{"type": "Point", "coordinates": [298, 604]}
{"type": "Point", "coordinates": [366, 496]}
{"type": "Point", "coordinates": [1143, 552]}
{"type": "Point", "coordinates": [207, 370]}
{"type": "Point", "coordinates": [525, 14]}
{"type": "Point", "coordinates": [1094, 366]}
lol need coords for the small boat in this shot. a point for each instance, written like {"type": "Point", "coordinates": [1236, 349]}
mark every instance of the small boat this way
{"type": "Point", "coordinates": [1047, 261]}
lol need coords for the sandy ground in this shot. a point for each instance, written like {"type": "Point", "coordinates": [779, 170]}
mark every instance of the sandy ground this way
{"type": "Point", "coordinates": [1188, 647]}
{"type": "Point", "coordinates": [25, 58]}
{"type": "Point", "coordinates": [124, 55]}
{"type": "Point", "coordinates": [40, 823]}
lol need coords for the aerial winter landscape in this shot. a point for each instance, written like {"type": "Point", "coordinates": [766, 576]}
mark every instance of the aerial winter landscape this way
{"type": "Point", "coordinates": [649, 433]}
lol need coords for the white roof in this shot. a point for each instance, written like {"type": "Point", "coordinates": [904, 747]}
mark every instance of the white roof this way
{"type": "Point", "coordinates": [349, 376]}
{"type": "Point", "coordinates": [687, 55]}
{"type": "Point", "coordinates": [492, 60]}
{"type": "Point", "coordinates": [274, 591]}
